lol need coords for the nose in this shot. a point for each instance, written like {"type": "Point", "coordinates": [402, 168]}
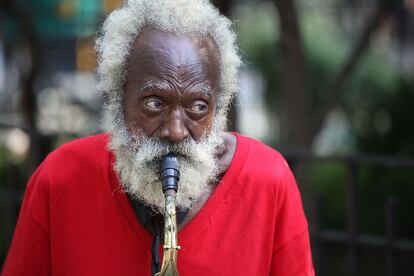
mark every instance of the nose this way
{"type": "Point", "coordinates": [174, 129]}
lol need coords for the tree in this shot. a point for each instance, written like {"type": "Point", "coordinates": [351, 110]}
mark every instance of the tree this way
{"type": "Point", "coordinates": [300, 122]}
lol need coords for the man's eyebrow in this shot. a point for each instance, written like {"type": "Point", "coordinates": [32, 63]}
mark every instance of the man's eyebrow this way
{"type": "Point", "coordinates": [203, 87]}
{"type": "Point", "coordinates": [152, 84]}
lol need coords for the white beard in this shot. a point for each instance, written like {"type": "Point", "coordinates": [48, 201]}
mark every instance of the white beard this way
{"type": "Point", "coordinates": [138, 164]}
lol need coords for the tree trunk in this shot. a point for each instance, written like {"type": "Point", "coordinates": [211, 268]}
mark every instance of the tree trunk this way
{"type": "Point", "coordinates": [295, 119]}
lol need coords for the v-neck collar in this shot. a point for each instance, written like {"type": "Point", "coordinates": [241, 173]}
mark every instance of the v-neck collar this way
{"type": "Point", "coordinates": [122, 200]}
{"type": "Point", "coordinates": [190, 230]}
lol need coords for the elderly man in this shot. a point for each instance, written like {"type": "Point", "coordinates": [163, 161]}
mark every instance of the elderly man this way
{"type": "Point", "coordinates": [167, 70]}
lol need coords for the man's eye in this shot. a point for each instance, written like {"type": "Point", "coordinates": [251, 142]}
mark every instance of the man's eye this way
{"type": "Point", "coordinates": [153, 104]}
{"type": "Point", "coordinates": [199, 107]}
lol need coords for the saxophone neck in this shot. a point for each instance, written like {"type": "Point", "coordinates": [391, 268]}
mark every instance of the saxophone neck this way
{"type": "Point", "coordinates": [169, 262]}
{"type": "Point", "coordinates": [170, 224]}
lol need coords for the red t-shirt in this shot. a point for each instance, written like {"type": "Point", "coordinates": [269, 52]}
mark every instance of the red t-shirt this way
{"type": "Point", "coordinates": [76, 219]}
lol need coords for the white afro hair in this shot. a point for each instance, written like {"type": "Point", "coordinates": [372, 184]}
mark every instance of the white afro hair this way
{"type": "Point", "coordinates": [181, 17]}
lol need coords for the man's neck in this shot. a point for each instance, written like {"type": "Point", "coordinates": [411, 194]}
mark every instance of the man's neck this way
{"type": "Point", "coordinates": [227, 153]}
{"type": "Point", "coordinates": [225, 157]}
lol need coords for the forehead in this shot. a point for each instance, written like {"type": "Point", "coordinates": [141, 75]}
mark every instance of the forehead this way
{"type": "Point", "coordinates": [162, 54]}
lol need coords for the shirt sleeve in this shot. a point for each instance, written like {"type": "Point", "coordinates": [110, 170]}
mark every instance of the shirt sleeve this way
{"type": "Point", "coordinates": [29, 253]}
{"type": "Point", "coordinates": [291, 252]}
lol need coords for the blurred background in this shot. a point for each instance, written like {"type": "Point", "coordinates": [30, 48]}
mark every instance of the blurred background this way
{"type": "Point", "coordinates": [329, 83]}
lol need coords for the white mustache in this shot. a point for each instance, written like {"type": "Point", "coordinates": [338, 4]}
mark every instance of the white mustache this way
{"type": "Point", "coordinates": [138, 163]}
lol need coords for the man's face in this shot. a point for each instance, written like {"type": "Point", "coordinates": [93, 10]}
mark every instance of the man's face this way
{"type": "Point", "coordinates": [171, 86]}
{"type": "Point", "coordinates": [169, 105]}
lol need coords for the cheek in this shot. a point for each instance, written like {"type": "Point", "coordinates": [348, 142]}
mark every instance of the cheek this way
{"type": "Point", "coordinates": [131, 114]}
{"type": "Point", "coordinates": [201, 127]}
{"type": "Point", "coordinates": [144, 125]}
{"type": "Point", "coordinates": [209, 120]}
{"type": "Point", "coordinates": [129, 102]}
{"type": "Point", "coordinates": [136, 121]}
{"type": "Point", "coordinates": [212, 114]}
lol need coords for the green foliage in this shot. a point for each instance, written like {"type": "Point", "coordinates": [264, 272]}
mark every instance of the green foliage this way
{"type": "Point", "coordinates": [388, 124]}
{"type": "Point", "coordinates": [376, 185]}
{"type": "Point", "coordinates": [328, 180]}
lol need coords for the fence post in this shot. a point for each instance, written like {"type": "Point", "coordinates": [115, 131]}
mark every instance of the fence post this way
{"type": "Point", "coordinates": [351, 216]}
{"type": "Point", "coordinates": [316, 235]}
{"type": "Point", "coordinates": [12, 204]}
{"type": "Point", "coordinates": [390, 233]}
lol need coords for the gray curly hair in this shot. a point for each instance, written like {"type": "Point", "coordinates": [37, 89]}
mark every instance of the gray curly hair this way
{"type": "Point", "coordinates": [177, 16]}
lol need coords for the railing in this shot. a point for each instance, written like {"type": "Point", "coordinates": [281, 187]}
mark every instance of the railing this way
{"type": "Point", "coordinates": [349, 238]}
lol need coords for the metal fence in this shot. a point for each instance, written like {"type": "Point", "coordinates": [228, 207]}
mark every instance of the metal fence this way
{"type": "Point", "coordinates": [350, 239]}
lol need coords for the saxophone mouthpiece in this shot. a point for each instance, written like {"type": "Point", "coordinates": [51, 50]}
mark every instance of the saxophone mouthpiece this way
{"type": "Point", "coordinates": [169, 172]}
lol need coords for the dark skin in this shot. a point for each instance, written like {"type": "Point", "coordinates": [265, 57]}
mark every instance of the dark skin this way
{"type": "Point", "coordinates": [171, 92]}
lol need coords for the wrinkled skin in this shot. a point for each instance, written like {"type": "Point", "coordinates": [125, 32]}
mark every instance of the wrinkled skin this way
{"type": "Point", "coordinates": [171, 92]}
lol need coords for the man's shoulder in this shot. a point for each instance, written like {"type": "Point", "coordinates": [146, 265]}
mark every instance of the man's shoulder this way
{"type": "Point", "coordinates": [77, 156]}
{"type": "Point", "coordinates": [263, 161]}
{"type": "Point", "coordinates": [90, 147]}
{"type": "Point", "coordinates": [260, 152]}
{"type": "Point", "coordinates": [72, 166]}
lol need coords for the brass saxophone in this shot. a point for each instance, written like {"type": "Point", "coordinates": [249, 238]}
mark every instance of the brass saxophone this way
{"type": "Point", "coordinates": [169, 178]}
